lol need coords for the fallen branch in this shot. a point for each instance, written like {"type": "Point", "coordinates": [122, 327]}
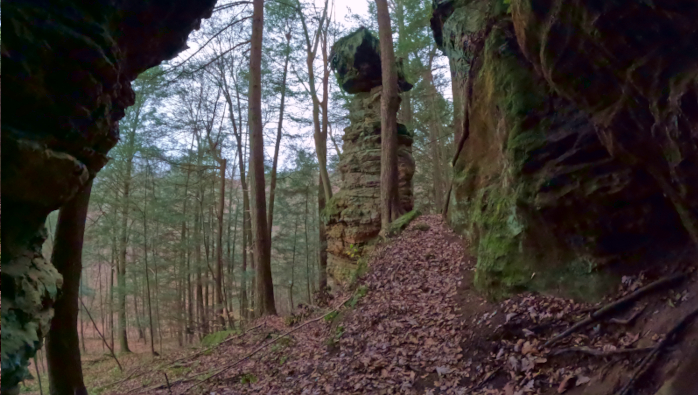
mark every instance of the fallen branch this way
{"type": "Point", "coordinates": [601, 353]}
{"type": "Point", "coordinates": [100, 335]}
{"type": "Point", "coordinates": [652, 357]}
{"type": "Point", "coordinates": [263, 346]}
{"type": "Point", "coordinates": [617, 305]}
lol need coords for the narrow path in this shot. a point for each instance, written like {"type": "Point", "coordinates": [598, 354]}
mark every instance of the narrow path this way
{"type": "Point", "coordinates": [403, 334]}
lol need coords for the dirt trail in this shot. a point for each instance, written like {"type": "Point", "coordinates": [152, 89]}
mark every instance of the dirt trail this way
{"type": "Point", "coordinates": [420, 328]}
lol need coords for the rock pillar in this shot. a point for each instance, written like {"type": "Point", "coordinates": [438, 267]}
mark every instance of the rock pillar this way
{"type": "Point", "coordinates": [353, 215]}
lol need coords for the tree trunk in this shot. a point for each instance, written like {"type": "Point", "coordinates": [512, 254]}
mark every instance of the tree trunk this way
{"type": "Point", "coordinates": [244, 305]}
{"type": "Point", "coordinates": [145, 261]}
{"type": "Point", "coordinates": [62, 342]}
{"type": "Point", "coordinates": [434, 134]}
{"type": "Point", "coordinates": [322, 248]}
{"type": "Point", "coordinates": [121, 272]}
{"type": "Point", "coordinates": [293, 264]}
{"type": "Point", "coordinates": [262, 247]}
{"type": "Point", "coordinates": [219, 248]}
{"type": "Point", "coordinates": [307, 252]}
{"type": "Point", "coordinates": [390, 204]}
{"type": "Point", "coordinates": [311, 51]}
{"type": "Point", "coordinates": [111, 306]}
{"type": "Point", "coordinates": [272, 184]}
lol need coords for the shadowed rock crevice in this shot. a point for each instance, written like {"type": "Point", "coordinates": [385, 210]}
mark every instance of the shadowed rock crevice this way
{"type": "Point", "coordinates": [68, 68]}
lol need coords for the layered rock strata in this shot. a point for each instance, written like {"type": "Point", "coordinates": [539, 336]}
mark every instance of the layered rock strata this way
{"type": "Point", "coordinates": [67, 71]}
{"type": "Point", "coordinates": [353, 214]}
{"type": "Point", "coordinates": [577, 154]}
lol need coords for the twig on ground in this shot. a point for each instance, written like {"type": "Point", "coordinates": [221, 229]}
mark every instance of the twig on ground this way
{"type": "Point", "coordinates": [263, 346]}
{"type": "Point", "coordinates": [617, 305]}
{"type": "Point", "coordinates": [601, 353]}
{"type": "Point", "coordinates": [652, 357]}
{"type": "Point", "coordinates": [486, 379]}
{"type": "Point", "coordinates": [169, 389]}
{"type": "Point", "coordinates": [100, 335]}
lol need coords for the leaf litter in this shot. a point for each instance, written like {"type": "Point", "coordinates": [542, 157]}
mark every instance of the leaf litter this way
{"type": "Point", "coordinates": [419, 329]}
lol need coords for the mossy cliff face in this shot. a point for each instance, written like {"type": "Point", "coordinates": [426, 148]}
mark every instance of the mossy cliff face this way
{"type": "Point", "coordinates": [546, 204]}
{"type": "Point", "coordinates": [67, 72]}
{"type": "Point", "coordinates": [353, 214]}
{"type": "Point", "coordinates": [633, 66]}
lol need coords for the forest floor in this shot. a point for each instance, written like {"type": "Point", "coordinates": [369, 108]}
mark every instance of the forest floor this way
{"type": "Point", "coordinates": [414, 325]}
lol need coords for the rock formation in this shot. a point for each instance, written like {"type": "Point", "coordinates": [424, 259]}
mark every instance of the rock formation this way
{"type": "Point", "coordinates": [580, 142]}
{"type": "Point", "coordinates": [354, 214]}
{"type": "Point", "coordinates": [67, 71]}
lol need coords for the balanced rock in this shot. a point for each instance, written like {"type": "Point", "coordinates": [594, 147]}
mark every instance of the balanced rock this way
{"type": "Point", "coordinates": [353, 214]}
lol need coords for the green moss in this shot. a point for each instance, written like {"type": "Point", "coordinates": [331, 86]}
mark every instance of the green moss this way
{"type": "Point", "coordinates": [217, 337]}
{"type": "Point", "coordinates": [401, 223]}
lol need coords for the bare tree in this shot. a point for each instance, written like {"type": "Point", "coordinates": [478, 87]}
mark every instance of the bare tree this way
{"type": "Point", "coordinates": [262, 247]}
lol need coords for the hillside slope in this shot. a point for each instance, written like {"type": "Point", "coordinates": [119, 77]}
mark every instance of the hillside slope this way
{"type": "Point", "coordinates": [420, 328]}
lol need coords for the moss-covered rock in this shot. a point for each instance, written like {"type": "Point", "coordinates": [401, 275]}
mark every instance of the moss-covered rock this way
{"type": "Point", "coordinates": [68, 68]}
{"type": "Point", "coordinates": [546, 205]}
{"type": "Point", "coordinates": [353, 215]}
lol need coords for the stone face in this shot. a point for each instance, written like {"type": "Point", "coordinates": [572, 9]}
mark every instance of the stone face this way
{"type": "Point", "coordinates": [67, 68]}
{"type": "Point", "coordinates": [353, 215]}
{"type": "Point", "coordinates": [538, 186]}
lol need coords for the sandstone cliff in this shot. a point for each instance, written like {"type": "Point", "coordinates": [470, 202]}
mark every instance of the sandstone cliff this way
{"type": "Point", "coordinates": [67, 67]}
{"type": "Point", "coordinates": [580, 136]}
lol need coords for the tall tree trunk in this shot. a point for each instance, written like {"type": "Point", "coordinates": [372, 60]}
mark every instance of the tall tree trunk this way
{"type": "Point", "coordinates": [185, 273]}
{"type": "Point", "coordinates": [145, 261]}
{"type": "Point", "coordinates": [322, 248]}
{"type": "Point", "coordinates": [219, 248]}
{"type": "Point", "coordinates": [311, 52]}
{"type": "Point", "coordinates": [434, 134]}
{"type": "Point", "coordinates": [262, 247]}
{"type": "Point", "coordinates": [272, 184]}
{"type": "Point", "coordinates": [244, 304]}
{"type": "Point", "coordinates": [121, 272]}
{"type": "Point", "coordinates": [390, 204]}
{"type": "Point", "coordinates": [307, 251]}
{"type": "Point", "coordinates": [111, 305]}
{"type": "Point", "coordinates": [293, 264]}
{"type": "Point", "coordinates": [62, 342]}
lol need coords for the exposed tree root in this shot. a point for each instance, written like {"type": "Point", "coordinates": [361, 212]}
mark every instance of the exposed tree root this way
{"type": "Point", "coordinates": [618, 305]}
{"type": "Point", "coordinates": [601, 353]}
{"type": "Point", "coordinates": [652, 357]}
